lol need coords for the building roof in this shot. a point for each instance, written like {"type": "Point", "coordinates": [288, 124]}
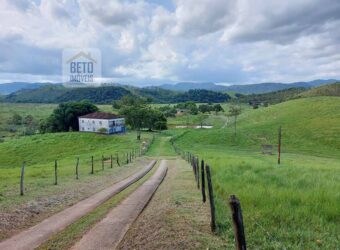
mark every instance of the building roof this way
{"type": "Point", "coordinates": [101, 115]}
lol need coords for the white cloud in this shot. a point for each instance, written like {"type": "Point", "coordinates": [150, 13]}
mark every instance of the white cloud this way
{"type": "Point", "coordinates": [201, 17]}
{"type": "Point", "coordinates": [198, 40]}
{"type": "Point", "coordinates": [127, 41]}
{"type": "Point", "coordinates": [112, 13]}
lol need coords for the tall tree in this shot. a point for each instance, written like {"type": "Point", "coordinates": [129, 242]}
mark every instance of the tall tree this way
{"type": "Point", "coordinates": [65, 116]}
{"type": "Point", "coordinates": [134, 109]}
{"type": "Point", "coordinates": [217, 108]}
{"type": "Point", "coordinates": [234, 111]}
{"type": "Point", "coordinates": [139, 114]}
{"type": "Point", "coordinates": [201, 118]}
{"type": "Point", "coordinates": [155, 119]}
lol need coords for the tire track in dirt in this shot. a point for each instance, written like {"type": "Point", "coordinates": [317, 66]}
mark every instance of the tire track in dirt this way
{"type": "Point", "coordinates": [110, 231]}
{"type": "Point", "coordinates": [36, 235]}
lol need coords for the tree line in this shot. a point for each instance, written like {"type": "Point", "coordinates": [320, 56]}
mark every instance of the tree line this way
{"type": "Point", "coordinates": [106, 94]}
{"type": "Point", "coordinates": [140, 115]}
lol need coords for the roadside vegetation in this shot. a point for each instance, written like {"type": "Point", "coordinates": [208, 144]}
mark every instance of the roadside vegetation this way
{"type": "Point", "coordinates": [40, 151]}
{"type": "Point", "coordinates": [293, 205]}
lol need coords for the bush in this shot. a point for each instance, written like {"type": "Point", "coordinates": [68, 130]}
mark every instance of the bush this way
{"type": "Point", "coordinates": [102, 130]}
{"type": "Point", "coordinates": [16, 119]}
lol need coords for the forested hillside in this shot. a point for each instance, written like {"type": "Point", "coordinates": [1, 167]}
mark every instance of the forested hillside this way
{"type": "Point", "coordinates": [326, 90]}
{"type": "Point", "coordinates": [272, 97]}
{"type": "Point", "coordinates": [58, 94]}
{"type": "Point", "coordinates": [106, 94]}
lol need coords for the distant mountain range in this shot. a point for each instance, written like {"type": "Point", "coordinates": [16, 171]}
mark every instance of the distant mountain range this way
{"type": "Point", "coordinates": [8, 88]}
{"type": "Point", "coordinates": [247, 88]}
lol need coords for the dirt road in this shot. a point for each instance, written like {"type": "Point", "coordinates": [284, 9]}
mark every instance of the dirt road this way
{"type": "Point", "coordinates": [34, 236]}
{"type": "Point", "coordinates": [110, 231]}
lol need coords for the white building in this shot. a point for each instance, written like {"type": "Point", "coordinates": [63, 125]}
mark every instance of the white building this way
{"type": "Point", "coordinates": [100, 122]}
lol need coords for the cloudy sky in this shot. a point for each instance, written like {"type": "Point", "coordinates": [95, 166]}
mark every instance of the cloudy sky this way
{"type": "Point", "coordinates": [161, 41]}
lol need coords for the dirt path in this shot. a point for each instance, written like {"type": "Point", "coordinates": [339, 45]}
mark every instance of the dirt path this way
{"type": "Point", "coordinates": [34, 236]}
{"type": "Point", "coordinates": [175, 218]}
{"type": "Point", "coordinates": [18, 213]}
{"type": "Point", "coordinates": [109, 232]}
{"type": "Point", "coordinates": [225, 120]}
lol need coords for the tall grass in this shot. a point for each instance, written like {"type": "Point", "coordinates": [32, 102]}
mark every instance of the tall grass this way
{"type": "Point", "coordinates": [295, 205]}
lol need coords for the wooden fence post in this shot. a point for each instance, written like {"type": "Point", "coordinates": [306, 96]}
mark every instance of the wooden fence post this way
{"type": "Point", "coordinates": [127, 158]}
{"type": "Point", "coordinates": [203, 182]}
{"type": "Point", "coordinates": [77, 165]}
{"type": "Point", "coordinates": [22, 178]}
{"type": "Point", "coordinates": [111, 162]}
{"type": "Point", "coordinates": [236, 212]}
{"type": "Point", "coordinates": [211, 200]}
{"type": "Point", "coordinates": [198, 172]}
{"type": "Point", "coordinates": [55, 172]}
{"type": "Point", "coordinates": [118, 159]}
{"type": "Point", "coordinates": [279, 146]}
{"type": "Point", "coordinates": [103, 162]}
{"type": "Point", "coordinates": [193, 167]}
{"type": "Point", "coordinates": [92, 167]}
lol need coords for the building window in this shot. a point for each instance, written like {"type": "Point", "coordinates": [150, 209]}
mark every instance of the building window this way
{"type": "Point", "coordinates": [93, 122]}
{"type": "Point", "coordinates": [94, 130]}
{"type": "Point", "coordinates": [82, 129]}
{"type": "Point", "coordinates": [100, 122]}
{"type": "Point", "coordinates": [82, 121]}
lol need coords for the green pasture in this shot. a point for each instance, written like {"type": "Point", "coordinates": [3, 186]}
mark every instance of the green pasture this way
{"type": "Point", "coordinates": [295, 205]}
{"type": "Point", "coordinates": [40, 151]}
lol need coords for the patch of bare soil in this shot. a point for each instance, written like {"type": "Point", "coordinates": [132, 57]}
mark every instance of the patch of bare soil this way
{"type": "Point", "coordinates": [175, 218]}
{"type": "Point", "coordinates": [25, 215]}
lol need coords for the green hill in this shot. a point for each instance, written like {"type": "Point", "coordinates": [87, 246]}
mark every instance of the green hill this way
{"type": "Point", "coordinates": [272, 97]}
{"type": "Point", "coordinates": [57, 94]}
{"type": "Point", "coordinates": [308, 124]}
{"type": "Point", "coordinates": [294, 205]}
{"type": "Point", "coordinates": [326, 90]}
{"type": "Point", "coordinates": [106, 94]}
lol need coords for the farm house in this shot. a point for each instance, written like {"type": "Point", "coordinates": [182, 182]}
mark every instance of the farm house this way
{"type": "Point", "coordinates": [100, 122]}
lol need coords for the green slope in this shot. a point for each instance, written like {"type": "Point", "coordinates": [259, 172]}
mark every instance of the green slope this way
{"type": "Point", "coordinates": [310, 125]}
{"type": "Point", "coordinates": [326, 90]}
{"type": "Point", "coordinates": [295, 205]}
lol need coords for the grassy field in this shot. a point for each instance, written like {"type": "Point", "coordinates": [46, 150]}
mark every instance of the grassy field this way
{"type": "Point", "coordinates": [295, 205]}
{"type": "Point", "coordinates": [38, 111]}
{"type": "Point", "coordinates": [40, 151]}
{"type": "Point", "coordinates": [161, 147]}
